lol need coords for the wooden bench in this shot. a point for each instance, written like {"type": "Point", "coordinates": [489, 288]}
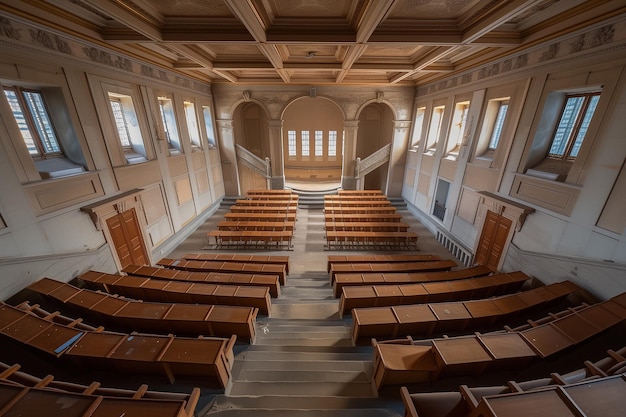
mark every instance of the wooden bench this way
{"type": "Point", "coordinates": [330, 204]}
{"type": "Point", "coordinates": [258, 239]}
{"type": "Point", "coordinates": [352, 197]}
{"type": "Point", "coordinates": [263, 209]}
{"type": "Point", "coordinates": [359, 192]}
{"type": "Point", "coordinates": [209, 358]}
{"type": "Point", "coordinates": [266, 203]}
{"type": "Point", "coordinates": [359, 210]}
{"type": "Point", "coordinates": [342, 279]}
{"type": "Point", "coordinates": [268, 192]}
{"type": "Point", "coordinates": [366, 226]}
{"type": "Point", "coordinates": [348, 239]}
{"type": "Point", "coordinates": [269, 217]}
{"type": "Point", "coordinates": [370, 217]}
{"type": "Point", "coordinates": [175, 404]}
{"type": "Point", "coordinates": [256, 225]}
{"type": "Point", "coordinates": [180, 319]}
{"type": "Point", "coordinates": [281, 197]}
{"type": "Point", "coordinates": [224, 279]}
{"type": "Point", "coordinates": [390, 267]}
{"type": "Point", "coordinates": [424, 320]}
{"type": "Point", "coordinates": [186, 292]}
{"type": "Point", "coordinates": [225, 266]}
{"type": "Point", "coordinates": [463, 402]}
{"type": "Point", "coordinates": [352, 259]}
{"type": "Point", "coordinates": [429, 292]}
{"type": "Point", "coordinates": [236, 257]}
{"type": "Point", "coordinates": [427, 360]}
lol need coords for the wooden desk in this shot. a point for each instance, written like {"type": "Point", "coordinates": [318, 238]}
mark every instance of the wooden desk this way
{"type": "Point", "coordinates": [262, 209]}
{"type": "Point", "coordinates": [348, 197]}
{"type": "Point", "coordinates": [353, 259]}
{"type": "Point", "coordinates": [414, 320]}
{"type": "Point", "coordinates": [271, 217]}
{"type": "Point", "coordinates": [234, 257]}
{"type": "Point", "coordinates": [547, 402]}
{"type": "Point", "coordinates": [219, 266]}
{"type": "Point", "coordinates": [460, 356]}
{"type": "Point", "coordinates": [267, 202]}
{"type": "Point", "coordinates": [424, 266]}
{"type": "Point", "coordinates": [359, 192]}
{"type": "Point", "coordinates": [373, 217]}
{"type": "Point", "coordinates": [604, 397]}
{"type": "Point", "coordinates": [363, 202]}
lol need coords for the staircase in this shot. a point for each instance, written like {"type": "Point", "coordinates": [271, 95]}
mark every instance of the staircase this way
{"type": "Point", "coordinates": [312, 199]}
{"type": "Point", "coordinates": [303, 362]}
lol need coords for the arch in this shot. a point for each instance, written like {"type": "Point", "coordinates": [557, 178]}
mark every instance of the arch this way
{"type": "Point", "coordinates": [376, 130]}
{"type": "Point", "coordinates": [251, 131]}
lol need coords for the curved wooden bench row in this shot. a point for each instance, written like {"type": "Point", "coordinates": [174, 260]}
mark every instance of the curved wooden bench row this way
{"type": "Point", "coordinates": [342, 279]}
{"type": "Point", "coordinates": [359, 210]}
{"type": "Point", "coordinates": [359, 192]}
{"type": "Point", "coordinates": [437, 318]}
{"type": "Point", "coordinates": [221, 278]}
{"type": "Point", "coordinates": [159, 290]}
{"type": "Point", "coordinates": [429, 292]}
{"type": "Point", "coordinates": [364, 240]}
{"type": "Point", "coordinates": [371, 217]}
{"type": "Point", "coordinates": [220, 266]}
{"type": "Point", "coordinates": [258, 217]}
{"type": "Point", "coordinates": [118, 401]}
{"type": "Point", "coordinates": [255, 225]}
{"type": "Point", "coordinates": [370, 259]}
{"type": "Point", "coordinates": [157, 317]}
{"type": "Point", "coordinates": [266, 203]}
{"type": "Point", "coordinates": [428, 360]}
{"type": "Point", "coordinates": [366, 226]}
{"type": "Point", "coordinates": [362, 202]}
{"type": "Point", "coordinates": [352, 197]}
{"type": "Point", "coordinates": [390, 267]}
{"type": "Point", "coordinates": [209, 358]}
{"type": "Point", "coordinates": [236, 257]}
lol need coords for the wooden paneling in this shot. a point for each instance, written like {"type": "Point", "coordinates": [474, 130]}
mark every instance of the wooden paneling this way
{"type": "Point", "coordinates": [555, 196]}
{"type": "Point", "coordinates": [51, 195]}
{"type": "Point", "coordinates": [137, 175]}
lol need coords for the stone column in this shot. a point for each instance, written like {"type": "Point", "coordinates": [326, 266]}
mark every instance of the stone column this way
{"type": "Point", "coordinates": [348, 180]}
{"type": "Point", "coordinates": [277, 156]}
{"type": "Point", "coordinates": [229, 157]}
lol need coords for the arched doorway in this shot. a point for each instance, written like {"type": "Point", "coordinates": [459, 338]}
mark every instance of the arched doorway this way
{"type": "Point", "coordinates": [313, 142]}
{"type": "Point", "coordinates": [375, 131]}
{"type": "Point", "coordinates": [250, 131]}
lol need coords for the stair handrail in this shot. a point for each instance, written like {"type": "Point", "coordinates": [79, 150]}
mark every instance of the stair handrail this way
{"type": "Point", "coordinates": [260, 166]}
{"type": "Point", "coordinates": [370, 163]}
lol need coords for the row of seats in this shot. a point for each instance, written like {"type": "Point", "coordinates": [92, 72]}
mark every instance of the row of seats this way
{"type": "Point", "coordinates": [437, 318]}
{"type": "Point", "coordinates": [42, 396]}
{"type": "Point", "coordinates": [265, 219]}
{"type": "Point", "coordinates": [408, 361]}
{"type": "Point", "coordinates": [362, 296]}
{"type": "Point", "coordinates": [424, 265]}
{"type": "Point", "coordinates": [597, 388]}
{"type": "Point", "coordinates": [365, 219]}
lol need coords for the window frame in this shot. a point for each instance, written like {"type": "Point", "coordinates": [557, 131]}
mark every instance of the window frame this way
{"type": "Point", "coordinates": [457, 130]}
{"type": "Point", "coordinates": [434, 129]}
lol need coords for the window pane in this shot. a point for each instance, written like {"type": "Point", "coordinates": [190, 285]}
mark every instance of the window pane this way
{"type": "Point", "coordinates": [582, 131]}
{"type": "Point", "coordinates": [332, 143]}
{"type": "Point", "coordinates": [192, 123]}
{"type": "Point", "coordinates": [291, 143]}
{"type": "Point", "coordinates": [319, 143]}
{"type": "Point", "coordinates": [435, 127]}
{"type": "Point", "coordinates": [21, 121]}
{"type": "Point", "coordinates": [566, 125]}
{"type": "Point", "coordinates": [305, 142]}
{"type": "Point", "coordinates": [208, 125]}
{"type": "Point", "coordinates": [120, 122]}
{"type": "Point", "coordinates": [497, 126]}
{"type": "Point", "coordinates": [417, 128]}
{"type": "Point", "coordinates": [39, 114]}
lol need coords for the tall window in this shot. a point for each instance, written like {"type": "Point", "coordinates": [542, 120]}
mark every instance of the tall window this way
{"type": "Point", "coordinates": [457, 130]}
{"type": "Point", "coordinates": [168, 118]}
{"type": "Point", "coordinates": [305, 142]}
{"type": "Point", "coordinates": [417, 126]}
{"type": "Point", "coordinates": [192, 125]}
{"type": "Point", "coordinates": [573, 124]}
{"type": "Point", "coordinates": [494, 139]}
{"type": "Point", "coordinates": [32, 118]}
{"type": "Point", "coordinates": [208, 125]}
{"type": "Point", "coordinates": [332, 143]}
{"type": "Point", "coordinates": [319, 143]}
{"type": "Point", "coordinates": [435, 128]}
{"type": "Point", "coordinates": [128, 131]}
{"type": "Point", "coordinates": [291, 143]}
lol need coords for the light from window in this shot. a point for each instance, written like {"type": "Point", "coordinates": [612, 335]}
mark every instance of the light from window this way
{"type": "Point", "coordinates": [417, 126]}
{"type": "Point", "coordinates": [120, 122]}
{"type": "Point", "coordinates": [32, 119]}
{"type": "Point", "coordinates": [192, 123]}
{"type": "Point", "coordinates": [435, 127]}
{"type": "Point", "coordinates": [319, 143]}
{"type": "Point", "coordinates": [573, 124]}
{"type": "Point", "coordinates": [494, 139]}
{"type": "Point", "coordinates": [457, 130]}
{"type": "Point", "coordinates": [332, 143]}
{"type": "Point", "coordinates": [169, 125]}
{"type": "Point", "coordinates": [305, 142]}
{"type": "Point", "coordinates": [291, 143]}
{"type": "Point", "coordinates": [208, 125]}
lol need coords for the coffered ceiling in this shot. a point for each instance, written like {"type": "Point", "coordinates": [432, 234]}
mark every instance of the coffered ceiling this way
{"type": "Point", "coordinates": [353, 42]}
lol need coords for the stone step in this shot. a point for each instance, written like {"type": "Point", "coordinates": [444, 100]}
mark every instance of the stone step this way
{"type": "Point", "coordinates": [355, 367]}
{"type": "Point", "coordinates": [304, 340]}
{"type": "Point", "coordinates": [247, 375]}
{"type": "Point", "coordinates": [264, 329]}
{"type": "Point", "coordinates": [299, 388]}
{"type": "Point", "coordinates": [304, 356]}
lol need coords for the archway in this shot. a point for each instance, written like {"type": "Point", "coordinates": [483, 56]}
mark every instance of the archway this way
{"type": "Point", "coordinates": [250, 131]}
{"type": "Point", "coordinates": [313, 143]}
{"type": "Point", "coordinates": [375, 131]}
